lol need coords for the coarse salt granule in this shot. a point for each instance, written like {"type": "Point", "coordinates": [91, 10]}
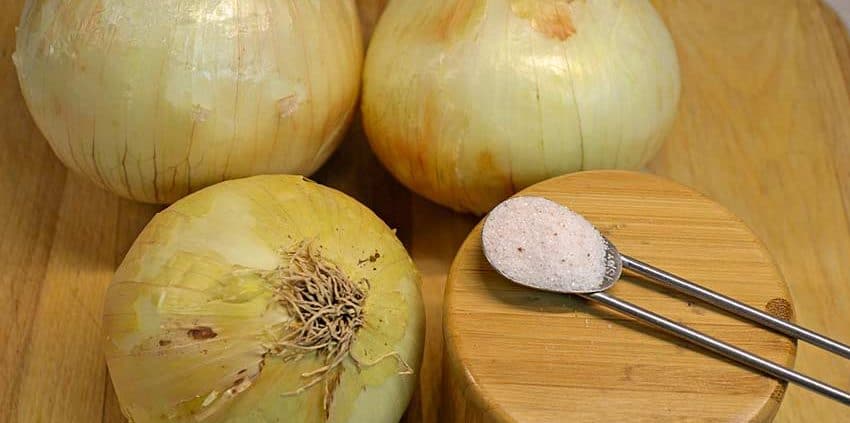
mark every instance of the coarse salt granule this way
{"type": "Point", "coordinates": [542, 244]}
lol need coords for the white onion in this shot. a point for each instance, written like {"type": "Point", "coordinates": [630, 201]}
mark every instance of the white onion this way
{"type": "Point", "coordinates": [468, 101]}
{"type": "Point", "coordinates": [155, 99]}
{"type": "Point", "coordinates": [197, 326]}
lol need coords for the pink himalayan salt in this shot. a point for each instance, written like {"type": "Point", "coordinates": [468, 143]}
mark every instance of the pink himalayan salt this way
{"type": "Point", "coordinates": [542, 244]}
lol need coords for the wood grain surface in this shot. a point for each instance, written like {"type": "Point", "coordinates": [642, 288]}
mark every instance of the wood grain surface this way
{"type": "Point", "coordinates": [763, 128]}
{"type": "Point", "coordinates": [559, 358]}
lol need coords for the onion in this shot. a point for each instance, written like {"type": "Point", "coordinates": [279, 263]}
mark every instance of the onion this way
{"type": "Point", "coordinates": [153, 100]}
{"type": "Point", "coordinates": [225, 306]}
{"type": "Point", "coordinates": [468, 101]}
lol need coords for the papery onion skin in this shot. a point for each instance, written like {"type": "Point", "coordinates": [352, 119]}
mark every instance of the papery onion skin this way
{"type": "Point", "coordinates": [156, 99]}
{"type": "Point", "coordinates": [468, 101]}
{"type": "Point", "coordinates": [185, 319]}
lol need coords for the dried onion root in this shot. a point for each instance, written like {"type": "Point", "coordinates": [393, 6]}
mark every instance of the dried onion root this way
{"type": "Point", "coordinates": [327, 309]}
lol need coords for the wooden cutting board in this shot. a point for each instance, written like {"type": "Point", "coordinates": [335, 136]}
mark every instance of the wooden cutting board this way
{"type": "Point", "coordinates": [518, 354]}
{"type": "Point", "coordinates": [763, 129]}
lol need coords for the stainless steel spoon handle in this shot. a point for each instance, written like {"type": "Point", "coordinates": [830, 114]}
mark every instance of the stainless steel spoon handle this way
{"type": "Point", "coordinates": [735, 307]}
{"type": "Point", "coordinates": [719, 347]}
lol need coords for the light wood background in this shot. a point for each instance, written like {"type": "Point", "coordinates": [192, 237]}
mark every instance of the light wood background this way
{"type": "Point", "coordinates": [559, 358]}
{"type": "Point", "coordinates": [763, 128]}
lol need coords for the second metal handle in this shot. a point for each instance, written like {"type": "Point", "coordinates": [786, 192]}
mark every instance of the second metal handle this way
{"type": "Point", "coordinates": [720, 347]}
{"type": "Point", "coordinates": [735, 307]}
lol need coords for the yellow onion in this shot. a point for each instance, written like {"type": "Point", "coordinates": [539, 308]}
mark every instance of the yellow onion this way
{"type": "Point", "coordinates": [200, 318]}
{"type": "Point", "coordinates": [468, 101]}
{"type": "Point", "coordinates": [155, 99]}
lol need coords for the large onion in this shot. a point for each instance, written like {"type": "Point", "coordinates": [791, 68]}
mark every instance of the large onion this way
{"type": "Point", "coordinates": [155, 99]}
{"type": "Point", "coordinates": [200, 318]}
{"type": "Point", "coordinates": [468, 101]}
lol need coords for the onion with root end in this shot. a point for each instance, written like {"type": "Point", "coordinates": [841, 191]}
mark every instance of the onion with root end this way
{"type": "Point", "coordinates": [265, 299]}
{"type": "Point", "coordinates": [155, 99]}
{"type": "Point", "coordinates": [468, 101]}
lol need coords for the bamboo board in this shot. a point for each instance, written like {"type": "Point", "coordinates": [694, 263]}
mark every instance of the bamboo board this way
{"type": "Point", "coordinates": [517, 354]}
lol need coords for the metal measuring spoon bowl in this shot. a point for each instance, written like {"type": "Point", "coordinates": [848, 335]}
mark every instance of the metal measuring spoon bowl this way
{"type": "Point", "coordinates": [539, 243]}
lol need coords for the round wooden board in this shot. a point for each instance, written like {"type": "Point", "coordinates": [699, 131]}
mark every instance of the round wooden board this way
{"type": "Point", "coordinates": [520, 355]}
